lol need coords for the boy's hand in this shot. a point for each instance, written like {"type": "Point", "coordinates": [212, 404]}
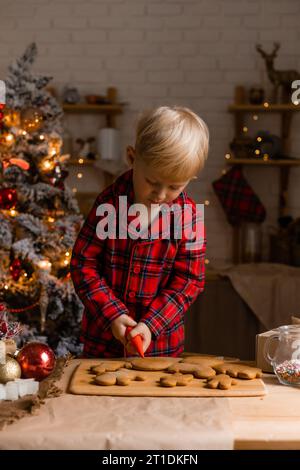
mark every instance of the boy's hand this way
{"type": "Point", "coordinates": [140, 329]}
{"type": "Point", "coordinates": [119, 325]}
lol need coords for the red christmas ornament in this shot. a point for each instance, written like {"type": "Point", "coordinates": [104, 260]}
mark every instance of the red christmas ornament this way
{"type": "Point", "coordinates": [37, 360]}
{"type": "Point", "coordinates": [8, 198]}
{"type": "Point", "coordinates": [2, 106]}
{"type": "Point", "coordinates": [3, 328]}
{"type": "Point", "coordinates": [16, 269]}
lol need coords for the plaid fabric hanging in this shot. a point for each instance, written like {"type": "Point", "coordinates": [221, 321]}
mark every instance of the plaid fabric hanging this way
{"type": "Point", "coordinates": [238, 199]}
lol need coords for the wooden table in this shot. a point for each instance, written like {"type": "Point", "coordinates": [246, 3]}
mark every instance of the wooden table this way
{"type": "Point", "coordinates": [269, 422]}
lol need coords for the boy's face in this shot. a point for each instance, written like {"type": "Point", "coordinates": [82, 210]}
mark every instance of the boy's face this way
{"type": "Point", "coordinates": [149, 187]}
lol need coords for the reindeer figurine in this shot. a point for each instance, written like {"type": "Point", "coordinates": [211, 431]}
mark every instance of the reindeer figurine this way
{"type": "Point", "coordinates": [279, 78]}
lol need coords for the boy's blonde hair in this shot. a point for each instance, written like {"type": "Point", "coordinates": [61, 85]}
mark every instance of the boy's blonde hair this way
{"type": "Point", "coordinates": [173, 140]}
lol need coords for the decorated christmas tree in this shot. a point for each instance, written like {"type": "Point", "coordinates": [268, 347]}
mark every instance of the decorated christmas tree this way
{"type": "Point", "coordinates": [39, 216]}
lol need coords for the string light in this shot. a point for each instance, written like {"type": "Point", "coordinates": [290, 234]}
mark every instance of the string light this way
{"type": "Point", "coordinates": [266, 104]}
{"type": "Point", "coordinates": [9, 138]}
{"type": "Point", "coordinates": [206, 202]}
{"type": "Point", "coordinates": [24, 132]}
{"type": "Point", "coordinates": [227, 156]}
{"type": "Point", "coordinates": [54, 146]}
{"type": "Point", "coordinates": [5, 286]}
{"type": "Point", "coordinates": [45, 264]}
{"type": "Point", "coordinates": [255, 117]}
{"type": "Point", "coordinates": [206, 261]}
{"type": "Point", "coordinates": [13, 212]}
{"type": "Point", "coordinates": [224, 172]}
{"type": "Point", "coordinates": [42, 137]}
{"type": "Point", "coordinates": [67, 258]}
{"type": "Point", "coordinates": [259, 139]}
{"type": "Point", "coordinates": [79, 175]}
{"type": "Point", "coordinates": [81, 161]}
{"type": "Point", "coordinates": [74, 190]}
{"type": "Point", "coordinates": [257, 151]}
{"type": "Point", "coordinates": [266, 157]}
{"type": "Point", "coordinates": [47, 164]}
{"type": "Point", "coordinates": [245, 129]}
{"type": "Point", "coordinates": [51, 220]}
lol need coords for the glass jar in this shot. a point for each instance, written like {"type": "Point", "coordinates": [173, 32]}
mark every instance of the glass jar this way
{"type": "Point", "coordinates": [256, 95]}
{"type": "Point", "coordinates": [251, 242]}
{"type": "Point", "coordinates": [286, 359]}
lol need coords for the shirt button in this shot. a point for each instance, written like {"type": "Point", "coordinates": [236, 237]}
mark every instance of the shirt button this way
{"type": "Point", "coordinates": [131, 294]}
{"type": "Point", "coordinates": [136, 270]}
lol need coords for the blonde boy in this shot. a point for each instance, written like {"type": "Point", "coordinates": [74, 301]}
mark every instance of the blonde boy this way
{"type": "Point", "coordinates": [147, 283]}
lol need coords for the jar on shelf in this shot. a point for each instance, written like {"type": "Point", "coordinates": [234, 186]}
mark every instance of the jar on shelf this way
{"type": "Point", "coordinates": [67, 146]}
{"type": "Point", "coordinates": [108, 144]}
{"type": "Point", "coordinates": [251, 242]}
{"type": "Point", "coordinates": [256, 95]}
{"type": "Point", "coordinates": [240, 95]}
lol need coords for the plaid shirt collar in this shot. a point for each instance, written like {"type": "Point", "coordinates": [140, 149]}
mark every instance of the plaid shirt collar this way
{"type": "Point", "coordinates": [123, 186]}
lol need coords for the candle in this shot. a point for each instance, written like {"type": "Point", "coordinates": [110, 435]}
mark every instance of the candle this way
{"type": "Point", "coordinates": [2, 392]}
{"type": "Point", "coordinates": [12, 392]}
{"type": "Point", "coordinates": [18, 388]}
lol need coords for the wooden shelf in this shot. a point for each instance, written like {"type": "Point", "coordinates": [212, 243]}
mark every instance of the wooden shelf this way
{"type": "Point", "coordinates": [110, 111]}
{"type": "Point", "coordinates": [260, 108]}
{"type": "Point", "coordinates": [286, 112]}
{"type": "Point", "coordinates": [93, 108]}
{"type": "Point", "coordinates": [254, 161]}
{"type": "Point", "coordinates": [111, 167]}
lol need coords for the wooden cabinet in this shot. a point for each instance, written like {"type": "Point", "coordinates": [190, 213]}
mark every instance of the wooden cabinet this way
{"type": "Point", "coordinates": [286, 112]}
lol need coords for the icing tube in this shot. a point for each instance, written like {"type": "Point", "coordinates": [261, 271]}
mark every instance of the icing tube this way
{"type": "Point", "coordinates": [136, 341]}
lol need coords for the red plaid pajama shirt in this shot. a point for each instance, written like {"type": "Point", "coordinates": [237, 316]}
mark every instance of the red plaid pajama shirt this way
{"type": "Point", "coordinates": [153, 280]}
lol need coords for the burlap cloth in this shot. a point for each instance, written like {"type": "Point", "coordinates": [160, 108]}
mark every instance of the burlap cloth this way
{"type": "Point", "coordinates": [122, 423]}
{"type": "Point", "coordinates": [272, 291]}
{"type": "Point", "coordinates": [11, 411]}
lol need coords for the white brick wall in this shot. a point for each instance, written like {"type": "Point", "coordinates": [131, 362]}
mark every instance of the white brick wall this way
{"type": "Point", "coordinates": [188, 52]}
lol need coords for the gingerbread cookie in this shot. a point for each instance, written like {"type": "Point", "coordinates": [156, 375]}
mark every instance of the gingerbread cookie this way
{"type": "Point", "coordinates": [109, 366]}
{"type": "Point", "coordinates": [151, 363]}
{"type": "Point", "coordinates": [197, 370]}
{"type": "Point", "coordinates": [205, 361]}
{"type": "Point", "coordinates": [175, 380]}
{"type": "Point", "coordinates": [242, 371]}
{"type": "Point", "coordinates": [119, 377]}
{"type": "Point", "coordinates": [221, 381]}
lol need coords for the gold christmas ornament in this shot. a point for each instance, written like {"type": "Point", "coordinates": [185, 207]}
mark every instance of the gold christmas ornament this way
{"type": "Point", "coordinates": [8, 139]}
{"type": "Point", "coordinates": [11, 370]}
{"type": "Point", "coordinates": [12, 118]}
{"type": "Point", "coordinates": [31, 119]}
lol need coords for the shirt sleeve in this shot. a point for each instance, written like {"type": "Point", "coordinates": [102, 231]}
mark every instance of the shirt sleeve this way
{"type": "Point", "coordinates": [184, 286]}
{"type": "Point", "coordinates": [90, 285]}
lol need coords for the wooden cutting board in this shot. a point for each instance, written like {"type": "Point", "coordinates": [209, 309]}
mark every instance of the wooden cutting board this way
{"type": "Point", "coordinates": [82, 384]}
